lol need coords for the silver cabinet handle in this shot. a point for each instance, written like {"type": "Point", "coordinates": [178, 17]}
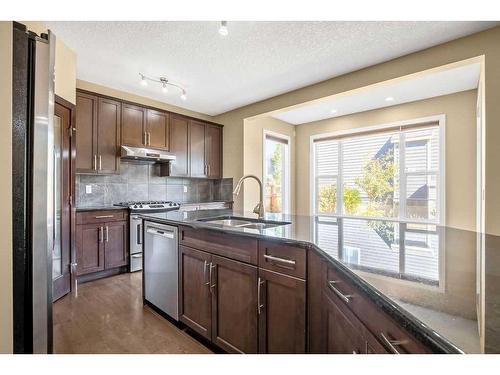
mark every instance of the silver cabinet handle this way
{"type": "Point", "coordinates": [212, 286]}
{"type": "Point", "coordinates": [107, 234]}
{"type": "Point", "coordinates": [144, 140]}
{"type": "Point", "coordinates": [104, 216]}
{"type": "Point", "coordinates": [208, 169]}
{"type": "Point", "coordinates": [100, 162]}
{"type": "Point", "coordinates": [391, 344]}
{"type": "Point", "coordinates": [260, 282]}
{"type": "Point", "coordinates": [344, 297]}
{"type": "Point", "coordinates": [149, 139]}
{"type": "Point", "coordinates": [281, 260]}
{"type": "Point", "coordinates": [205, 264]}
{"type": "Point", "coordinates": [95, 163]}
{"type": "Point", "coordinates": [101, 234]}
{"type": "Point", "coordinates": [137, 255]}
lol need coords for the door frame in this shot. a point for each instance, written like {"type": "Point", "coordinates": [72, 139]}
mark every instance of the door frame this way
{"type": "Point", "coordinates": [72, 169]}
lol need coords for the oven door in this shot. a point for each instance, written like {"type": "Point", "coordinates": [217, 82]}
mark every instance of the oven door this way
{"type": "Point", "coordinates": [135, 243]}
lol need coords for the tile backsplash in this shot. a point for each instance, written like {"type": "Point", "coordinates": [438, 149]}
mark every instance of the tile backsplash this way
{"type": "Point", "coordinates": [142, 182]}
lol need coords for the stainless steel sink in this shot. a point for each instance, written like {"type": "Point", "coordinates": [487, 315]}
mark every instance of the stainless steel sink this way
{"type": "Point", "coordinates": [242, 222]}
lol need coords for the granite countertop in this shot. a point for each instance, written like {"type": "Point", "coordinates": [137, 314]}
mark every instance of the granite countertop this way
{"type": "Point", "coordinates": [424, 276]}
{"type": "Point", "coordinates": [99, 208]}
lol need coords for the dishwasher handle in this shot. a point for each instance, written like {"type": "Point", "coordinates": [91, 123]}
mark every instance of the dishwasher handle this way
{"type": "Point", "coordinates": [160, 232]}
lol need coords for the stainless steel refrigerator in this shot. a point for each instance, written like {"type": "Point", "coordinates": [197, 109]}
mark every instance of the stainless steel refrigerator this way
{"type": "Point", "coordinates": [33, 188]}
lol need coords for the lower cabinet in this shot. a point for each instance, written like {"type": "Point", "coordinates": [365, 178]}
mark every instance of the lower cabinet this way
{"type": "Point", "coordinates": [240, 307]}
{"type": "Point", "coordinates": [101, 245]}
{"type": "Point", "coordinates": [282, 313]}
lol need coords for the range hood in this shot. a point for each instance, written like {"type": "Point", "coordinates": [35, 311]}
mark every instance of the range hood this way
{"type": "Point", "coordinates": [146, 154]}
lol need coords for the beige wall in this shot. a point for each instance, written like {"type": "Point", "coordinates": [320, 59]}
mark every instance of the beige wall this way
{"type": "Point", "coordinates": [104, 90]}
{"type": "Point", "coordinates": [484, 43]}
{"type": "Point", "coordinates": [460, 146]}
{"type": "Point", "coordinates": [253, 156]}
{"type": "Point", "coordinates": [65, 65]}
{"type": "Point", "coordinates": [6, 187]}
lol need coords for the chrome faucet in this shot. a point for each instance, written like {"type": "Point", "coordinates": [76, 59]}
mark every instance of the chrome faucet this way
{"type": "Point", "coordinates": [259, 209]}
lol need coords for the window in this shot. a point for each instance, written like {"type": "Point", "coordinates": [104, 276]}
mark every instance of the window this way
{"type": "Point", "coordinates": [276, 173]}
{"type": "Point", "coordinates": [390, 172]}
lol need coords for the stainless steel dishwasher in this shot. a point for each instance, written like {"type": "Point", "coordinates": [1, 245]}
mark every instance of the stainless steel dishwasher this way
{"type": "Point", "coordinates": [161, 267]}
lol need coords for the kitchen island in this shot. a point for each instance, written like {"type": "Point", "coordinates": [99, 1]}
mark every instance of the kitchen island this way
{"type": "Point", "coordinates": [419, 280]}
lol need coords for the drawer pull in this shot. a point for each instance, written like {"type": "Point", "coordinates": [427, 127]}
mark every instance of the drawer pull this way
{"type": "Point", "coordinates": [277, 259]}
{"type": "Point", "coordinates": [344, 297]}
{"type": "Point", "coordinates": [105, 216]}
{"type": "Point", "coordinates": [391, 344]}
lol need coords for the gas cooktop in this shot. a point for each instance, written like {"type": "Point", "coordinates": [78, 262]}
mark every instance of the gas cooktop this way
{"type": "Point", "coordinates": [150, 205]}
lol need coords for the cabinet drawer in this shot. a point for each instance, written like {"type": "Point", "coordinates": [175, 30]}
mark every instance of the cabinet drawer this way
{"type": "Point", "coordinates": [389, 333]}
{"type": "Point", "coordinates": [88, 217]}
{"type": "Point", "coordinates": [282, 258]}
{"type": "Point", "coordinates": [227, 245]}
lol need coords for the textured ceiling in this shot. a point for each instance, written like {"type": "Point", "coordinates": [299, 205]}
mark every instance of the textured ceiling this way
{"type": "Point", "coordinates": [257, 60]}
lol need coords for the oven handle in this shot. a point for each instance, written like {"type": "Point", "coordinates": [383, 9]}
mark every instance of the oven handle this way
{"type": "Point", "coordinates": [139, 234]}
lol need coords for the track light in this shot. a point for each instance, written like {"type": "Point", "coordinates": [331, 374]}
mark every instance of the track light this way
{"type": "Point", "coordinates": [223, 28]}
{"type": "Point", "coordinates": [165, 83]}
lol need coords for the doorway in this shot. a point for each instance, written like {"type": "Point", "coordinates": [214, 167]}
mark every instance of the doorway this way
{"type": "Point", "coordinates": [63, 280]}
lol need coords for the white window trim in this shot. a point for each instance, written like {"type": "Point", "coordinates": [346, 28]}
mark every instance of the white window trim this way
{"type": "Point", "coordinates": [287, 193]}
{"type": "Point", "coordinates": [441, 180]}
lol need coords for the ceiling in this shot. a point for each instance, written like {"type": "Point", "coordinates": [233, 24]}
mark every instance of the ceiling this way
{"type": "Point", "coordinates": [256, 61]}
{"type": "Point", "coordinates": [417, 87]}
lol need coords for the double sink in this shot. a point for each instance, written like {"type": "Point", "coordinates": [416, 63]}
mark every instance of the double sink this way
{"type": "Point", "coordinates": [243, 222]}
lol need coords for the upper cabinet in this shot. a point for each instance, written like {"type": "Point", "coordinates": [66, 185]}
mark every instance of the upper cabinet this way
{"type": "Point", "coordinates": [142, 127]}
{"type": "Point", "coordinates": [179, 139]}
{"type": "Point", "coordinates": [105, 124]}
{"type": "Point", "coordinates": [197, 146]}
{"type": "Point", "coordinates": [97, 134]}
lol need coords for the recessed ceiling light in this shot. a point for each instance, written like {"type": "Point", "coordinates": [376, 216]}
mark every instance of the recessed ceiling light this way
{"type": "Point", "coordinates": [184, 96]}
{"type": "Point", "coordinates": [223, 28]}
{"type": "Point", "coordinates": [143, 81]}
{"type": "Point", "coordinates": [333, 111]}
{"type": "Point", "coordinates": [389, 99]}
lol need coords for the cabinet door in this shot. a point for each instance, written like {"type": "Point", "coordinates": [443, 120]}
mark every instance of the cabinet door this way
{"type": "Point", "coordinates": [194, 290]}
{"type": "Point", "coordinates": [157, 129]}
{"type": "Point", "coordinates": [234, 305]}
{"type": "Point", "coordinates": [342, 333]}
{"type": "Point", "coordinates": [198, 167]}
{"type": "Point", "coordinates": [179, 146]}
{"type": "Point", "coordinates": [133, 125]}
{"type": "Point", "coordinates": [108, 136]}
{"type": "Point", "coordinates": [86, 133]}
{"type": "Point", "coordinates": [115, 244]}
{"type": "Point", "coordinates": [282, 313]}
{"type": "Point", "coordinates": [89, 248]}
{"type": "Point", "coordinates": [213, 150]}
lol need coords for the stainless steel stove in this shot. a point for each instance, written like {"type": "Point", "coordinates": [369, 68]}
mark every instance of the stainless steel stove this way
{"type": "Point", "coordinates": [136, 239]}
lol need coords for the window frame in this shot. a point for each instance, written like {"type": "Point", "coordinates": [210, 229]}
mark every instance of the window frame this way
{"type": "Point", "coordinates": [286, 190]}
{"type": "Point", "coordinates": [440, 181]}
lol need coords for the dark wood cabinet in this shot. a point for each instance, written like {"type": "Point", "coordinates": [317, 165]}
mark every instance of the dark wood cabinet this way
{"type": "Point", "coordinates": [197, 164]}
{"type": "Point", "coordinates": [234, 305]}
{"type": "Point", "coordinates": [133, 125]}
{"type": "Point", "coordinates": [86, 133]}
{"type": "Point", "coordinates": [195, 308]}
{"type": "Point", "coordinates": [115, 244]}
{"type": "Point", "coordinates": [89, 249]}
{"type": "Point", "coordinates": [213, 150]}
{"type": "Point", "coordinates": [282, 313]}
{"type": "Point", "coordinates": [101, 241]}
{"type": "Point", "coordinates": [179, 145]}
{"type": "Point", "coordinates": [97, 134]}
{"type": "Point", "coordinates": [341, 330]}
{"type": "Point", "coordinates": [157, 129]}
{"type": "Point", "coordinates": [108, 136]}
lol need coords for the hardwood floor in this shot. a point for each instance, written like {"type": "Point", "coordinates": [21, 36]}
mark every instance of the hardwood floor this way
{"type": "Point", "coordinates": [107, 316]}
